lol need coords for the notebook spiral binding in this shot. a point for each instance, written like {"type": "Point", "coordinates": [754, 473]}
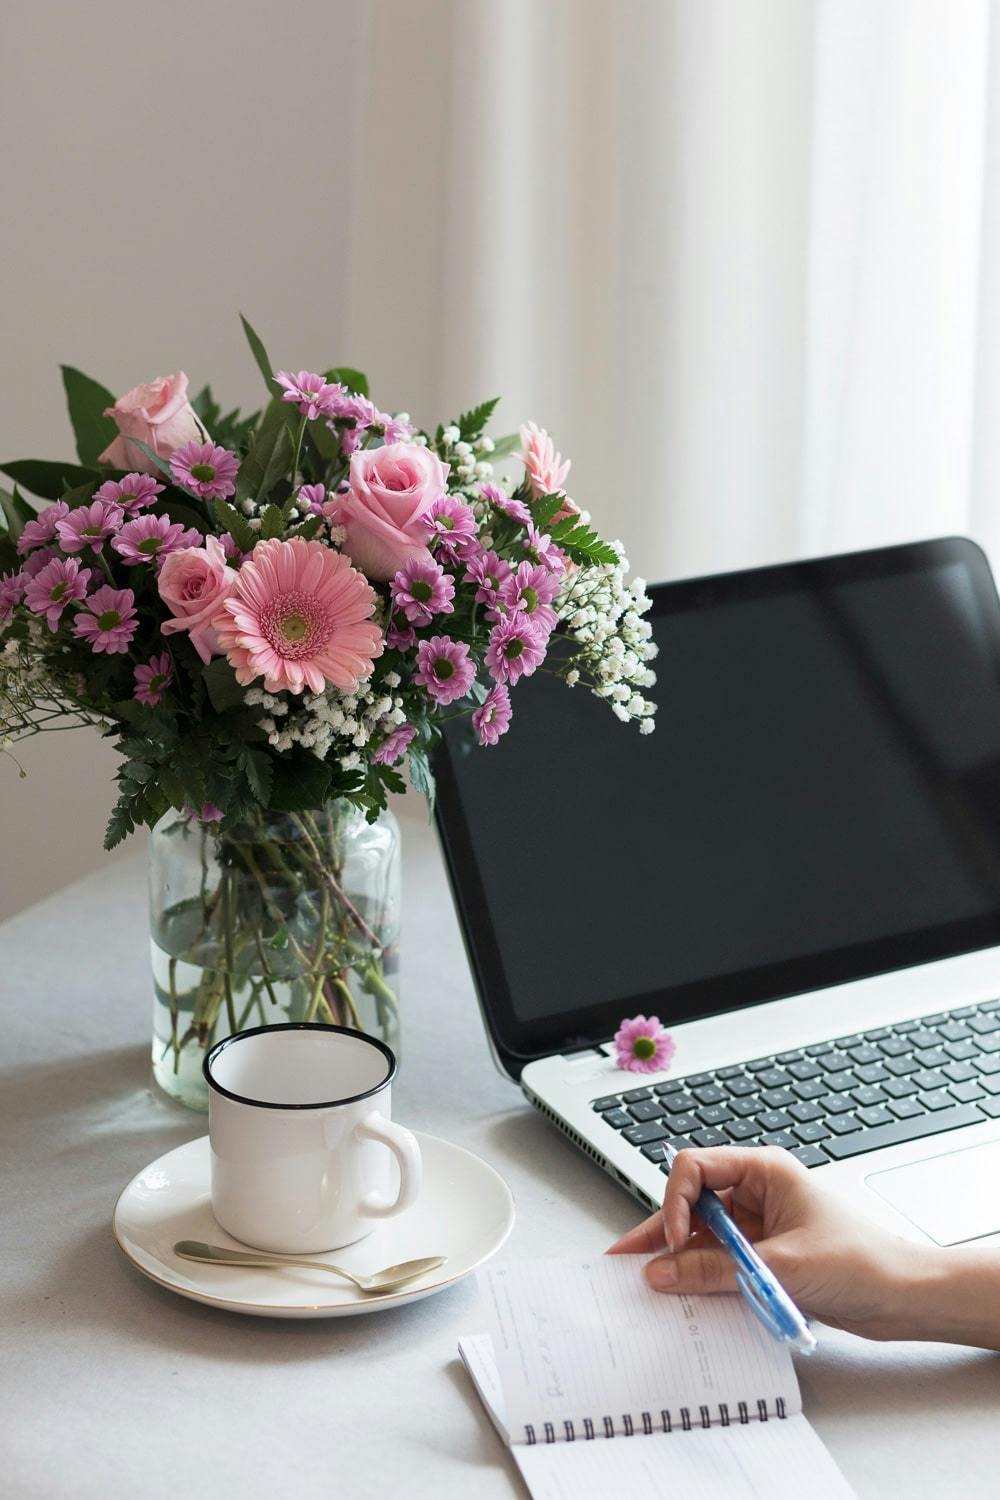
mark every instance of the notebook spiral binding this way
{"type": "Point", "coordinates": [648, 1422]}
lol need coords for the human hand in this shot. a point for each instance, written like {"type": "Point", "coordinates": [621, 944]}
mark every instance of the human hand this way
{"type": "Point", "coordinates": [835, 1264]}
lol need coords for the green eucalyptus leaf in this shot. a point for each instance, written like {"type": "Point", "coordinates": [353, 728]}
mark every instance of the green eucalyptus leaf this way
{"type": "Point", "coordinates": [270, 457]}
{"type": "Point", "coordinates": [259, 353]}
{"type": "Point", "coordinates": [80, 494]}
{"type": "Point", "coordinates": [355, 380]}
{"type": "Point", "coordinates": [87, 402]}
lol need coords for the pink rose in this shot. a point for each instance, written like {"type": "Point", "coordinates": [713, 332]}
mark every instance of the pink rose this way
{"type": "Point", "coordinates": [384, 512]}
{"type": "Point", "coordinates": [160, 414]}
{"type": "Point", "coordinates": [193, 583]}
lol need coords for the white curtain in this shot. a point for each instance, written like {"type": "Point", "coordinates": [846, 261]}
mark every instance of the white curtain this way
{"type": "Point", "coordinates": [740, 256]}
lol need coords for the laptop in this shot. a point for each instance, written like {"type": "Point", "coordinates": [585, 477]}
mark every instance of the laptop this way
{"type": "Point", "coordinates": [798, 873]}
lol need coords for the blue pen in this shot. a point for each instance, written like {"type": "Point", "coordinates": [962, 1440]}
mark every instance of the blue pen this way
{"type": "Point", "coordinates": [759, 1285]}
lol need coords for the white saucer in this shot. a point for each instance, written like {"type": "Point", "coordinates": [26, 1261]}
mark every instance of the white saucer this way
{"type": "Point", "coordinates": [465, 1211]}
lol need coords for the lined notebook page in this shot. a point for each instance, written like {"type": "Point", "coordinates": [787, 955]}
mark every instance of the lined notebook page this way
{"type": "Point", "coordinates": [590, 1346]}
{"type": "Point", "coordinates": [765, 1461]}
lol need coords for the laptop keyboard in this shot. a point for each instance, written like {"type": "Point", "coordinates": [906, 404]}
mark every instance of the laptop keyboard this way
{"type": "Point", "coordinates": [831, 1100]}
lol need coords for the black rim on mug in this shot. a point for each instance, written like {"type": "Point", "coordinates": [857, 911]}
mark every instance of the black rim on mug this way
{"type": "Point", "coordinates": [323, 1026]}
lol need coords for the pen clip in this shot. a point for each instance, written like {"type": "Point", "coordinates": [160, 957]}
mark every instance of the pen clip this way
{"type": "Point", "coordinates": [759, 1304]}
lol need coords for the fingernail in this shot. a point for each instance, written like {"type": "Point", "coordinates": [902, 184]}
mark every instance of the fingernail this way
{"type": "Point", "coordinates": [662, 1273]}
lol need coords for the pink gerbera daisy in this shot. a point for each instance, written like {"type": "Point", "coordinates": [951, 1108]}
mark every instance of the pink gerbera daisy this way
{"type": "Point", "coordinates": [62, 581]}
{"type": "Point", "coordinates": [313, 395]}
{"type": "Point", "coordinates": [89, 526]}
{"type": "Point", "coordinates": [492, 718]}
{"type": "Point", "coordinates": [149, 538]}
{"type": "Point", "coordinates": [43, 528]}
{"type": "Point", "coordinates": [11, 593]}
{"type": "Point", "coordinates": [300, 617]}
{"type": "Point", "coordinates": [134, 492]}
{"type": "Point", "coordinates": [642, 1045]}
{"type": "Point", "coordinates": [394, 746]}
{"type": "Point", "coordinates": [516, 509]}
{"type": "Point", "coordinates": [488, 572]}
{"type": "Point", "coordinates": [152, 679]}
{"type": "Point", "coordinates": [423, 589]}
{"type": "Point", "coordinates": [205, 469]}
{"type": "Point", "coordinates": [108, 621]}
{"type": "Point", "coordinates": [516, 648]}
{"type": "Point", "coordinates": [444, 668]}
{"type": "Point", "coordinates": [453, 524]}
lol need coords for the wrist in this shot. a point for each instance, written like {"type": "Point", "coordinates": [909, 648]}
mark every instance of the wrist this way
{"type": "Point", "coordinates": [949, 1296]}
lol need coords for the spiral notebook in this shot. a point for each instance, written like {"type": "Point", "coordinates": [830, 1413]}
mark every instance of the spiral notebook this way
{"type": "Point", "coordinates": [585, 1352]}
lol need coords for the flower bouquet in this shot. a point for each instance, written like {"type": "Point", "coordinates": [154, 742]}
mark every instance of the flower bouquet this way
{"type": "Point", "coordinates": [270, 614]}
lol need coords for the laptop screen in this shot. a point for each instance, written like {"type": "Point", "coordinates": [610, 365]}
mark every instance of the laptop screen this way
{"type": "Point", "coordinates": [820, 801]}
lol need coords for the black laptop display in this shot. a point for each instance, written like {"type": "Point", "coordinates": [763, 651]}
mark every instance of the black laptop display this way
{"type": "Point", "coordinates": [820, 801]}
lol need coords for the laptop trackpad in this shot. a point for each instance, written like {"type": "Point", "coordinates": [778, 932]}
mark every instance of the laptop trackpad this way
{"type": "Point", "coordinates": [952, 1198]}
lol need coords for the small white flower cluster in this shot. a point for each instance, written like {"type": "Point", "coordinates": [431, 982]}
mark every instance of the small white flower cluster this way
{"type": "Point", "coordinates": [30, 700]}
{"type": "Point", "coordinates": [471, 464]}
{"type": "Point", "coordinates": [318, 721]}
{"type": "Point", "coordinates": [604, 616]}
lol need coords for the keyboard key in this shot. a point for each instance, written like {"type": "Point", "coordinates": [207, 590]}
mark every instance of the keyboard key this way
{"type": "Point", "coordinates": [810, 1156]}
{"type": "Point", "coordinates": [989, 1004]}
{"type": "Point", "coordinates": [899, 1088]}
{"type": "Point", "coordinates": [805, 1112]}
{"type": "Point", "coordinates": [673, 1086]}
{"type": "Point", "coordinates": [966, 1092]}
{"type": "Point", "coordinates": [804, 1069]}
{"type": "Point", "coordinates": [899, 1066]}
{"type": "Point", "coordinates": [733, 1072]}
{"type": "Point", "coordinates": [992, 1085]}
{"type": "Point", "coordinates": [865, 1053]}
{"type": "Point", "coordinates": [839, 1082]}
{"type": "Point", "coordinates": [646, 1109]}
{"type": "Point", "coordinates": [818, 1049]}
{"type": "Point", "coordinates": [787, 1057]}
{"type": "Point", "coordinates": [655, 1152]}
{"type": "Point", "coordinates": [929, 1078]}
{"type": "Point", "coordinates": [906, 1109]}
{"type": "Point", "coordinates": [708, 1093]}
{"type": "Point", "coordinates": [634, 1095]}
{"type": "Point", "coordinates": [985, 1022]}
{"type": "Point", "coordinates": [894, 1046]}
{"type": "Point", "coordinates": [960, 1015]}
{"type": "Point", "coordinates": [877, 1035]}
{"type": "Point", "coordinates": [773, 1119]}
{"type": "Point", "coordinates": [990, 1043]}
{"type": "Point", "coordinates": [641, 1135]}
{"type": "Point", "coordinates": [610, 1101]}
{"type": "Point", "coordinates": [990, 1064]}
{"type": "Point", "coordinates": [843, 1124]}
{"type": "Point", "coordinates": [842, 1147]}
{"type": "Point", "coordinates": [779, 1138]}
{"type": "Point", "coordinates": [961, 1051]}
{"type": "Point", "coordinates": [682, 1124]}
{"type": "Point", "coordinates": [875, 1114]}
{"type": "Point", "coordinates": [868, 1094]}
{"type": "Point", "coordinates": [695, 1080]}
{"type": "Point", "coordinates": [777, 1078]}
{"type": "Point", "coordinates": [808, 1134]}
{"type": "Point", "coordinates": [935, 1020]}
{"type": "Point", "coordinates": [873, 1073]}
{"type": "Point", "coordinates": [931, 1057]}
{"type": "Point", "coordinates": [777, 1098]}
{"type": "Point", "coordinates": [810, 1089]}
{"type": "Point", "coordinates": [902, 1028]}
{"type": "Point", "coordinates": [991, 1106]}
{"type": "Point", "coordinates": [758, 1064]}
{"type": "Point", "coordinates": [679, 1142]}
{"type": "Point", "coordinates": [715, 1114]}
{"type": "Point", "coordinates": [709, 1137]}
{"type": "Point", "coordinates": [953, 1031]}
{"type": "Point", "coordinates": [743, 1085]}
{"type": "Point", "coordinates": [744, 1107]}
{"type": "Point", "coordinates": [835, 1104]}
{"type": "Point", "coordinates": [851, 1041]}
{"type": "Point", "coordinates": [924, 1037]}
{"type": "Point", "coordinates": [936, 1099]}
{"type": "Point", "coordinates": [958, 1072]}
{"type": "Point", "coordinates": [617, 1119]}
{"type": "Point", "coordinates": [676, 1104]}
{"type": "Point", "coordinates": [741, 1130]}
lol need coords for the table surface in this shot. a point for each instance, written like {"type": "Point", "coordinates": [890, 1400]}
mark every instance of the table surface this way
{"type": "Point", "coordinates": [111, 1386]}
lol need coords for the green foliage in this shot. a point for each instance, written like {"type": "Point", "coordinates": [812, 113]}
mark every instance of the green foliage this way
{"type": "Point", "coordinates": [80, 494]}
{"type": "Point", "coordinates": [504, 446]}
{"type": "Point", "coordinates": [258, 767]}
{"type": "Point", "coordinates": [272, 523]}
{"type": "Point", "coordinates": [269, 457]}
{"type": "Point", "coordinates": [545, 508]}
{"type": "Point", "coordinates": [581, 542]}
{"type": "Point", "coordinates": [230, 519]}
{"type": "Point", "coordinates": [87, 402]}
{"type": "Point", "coordinates": [48, 480]}
{"type": "Point", "coordinates": [471, 423]}
{"type": "Point", "coordinates": [356, 382]}
{"type": "Point", "coordinates": [224, 692]}
{"type": "Point", "coordinates": [422, 776]}
{"type": "Point", "coordinates": [229, 429]}
{"type": "Point", "coordinates": [16, 512]}
{"type": "Point", "coordinates": [300, 782]}
{"type": "Point", "coordinates": [260, 355]}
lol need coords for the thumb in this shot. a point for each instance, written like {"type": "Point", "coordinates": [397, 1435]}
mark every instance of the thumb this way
{"type": "Point", "coordinates": [694, 1270]}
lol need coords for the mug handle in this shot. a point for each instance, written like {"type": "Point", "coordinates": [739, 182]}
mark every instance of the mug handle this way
{"type": "Point", "coordinates": [403, 1145]}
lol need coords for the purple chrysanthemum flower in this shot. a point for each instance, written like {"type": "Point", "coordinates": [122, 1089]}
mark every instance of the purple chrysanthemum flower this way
{"type": "Point", "coordinates": [394, 429]}
{"type": "Point", "coordinates": [209, 813]}
{"type": "Point", "coordinates": [492, 718]}
{"type": "Point", "coordinates": [530, 591]}
{"type": "Point", "coordinates": [488, 572]}
{"type": "Point", "coordinates": [314, 496]}
{"type": "Point", "coordinates": [394, 746]}
{"type": "Point", "coordinates": [499, 498]}
{"type": "Point", "coordinates": [43, 528]}
{"type": "Point", "coordinates": [149, 538]}
{"type": "Point", "coordinates": [134, 492]}
{"type": "Point", "coordinates": [153, 678]}
{"type": "Point", "coordinates": [541, 549]}
{"type": "Point", "coordinates": [89, 526]}
{"type": "Point", "coordinates": [108, 622]}
{"type": "Point", "coordinates": [400, 637]}
{"type": "Point", "coordinates": [205, 469]}
{"type": "Point", "coordinates": [452, 523]}
{"type": "Point", "coordinates": [232, 549]}
{"type": "Point", "coordinates": [642, 1045]}
{"type": "Point", "coordinates": [36, 561]}
{"type": "Point", "coordinates": [62, 581]}
{"type": "Point", "coordinates": [11, 593]}
{"type": "Point", "coordinates": [422, 589]}
{"type": "Point", "coordinates": [516, 648]}
{"type": "Point", "coordinates": [444, 668]}
{"type": "Point", "coordinates": [313, 395]}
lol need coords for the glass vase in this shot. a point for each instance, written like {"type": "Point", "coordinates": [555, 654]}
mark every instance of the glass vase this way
{"type": "Point", "coordinates": [288, 917]}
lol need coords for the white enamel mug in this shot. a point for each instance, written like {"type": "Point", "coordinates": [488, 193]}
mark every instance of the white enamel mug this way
{"type": "Point", "coordinates": [304, 1152]}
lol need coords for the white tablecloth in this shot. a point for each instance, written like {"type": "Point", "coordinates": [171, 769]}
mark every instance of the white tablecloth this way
{"type": "Point", "coordinates": [112, 1387]}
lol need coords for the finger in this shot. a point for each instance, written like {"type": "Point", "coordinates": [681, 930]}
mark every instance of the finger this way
{"type": "Point", "coordinates": [747, 1171]}
{"type": "Point", "coordinates": [692, 1271]}
{"type": "Point", "coordinates": [703, 1238]}
{"type": "Point", "coordinates": [645, 1239]}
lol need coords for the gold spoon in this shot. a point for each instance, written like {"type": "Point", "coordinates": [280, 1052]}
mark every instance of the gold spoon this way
{"type": "Point", "coordinates": [378, 1281]}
